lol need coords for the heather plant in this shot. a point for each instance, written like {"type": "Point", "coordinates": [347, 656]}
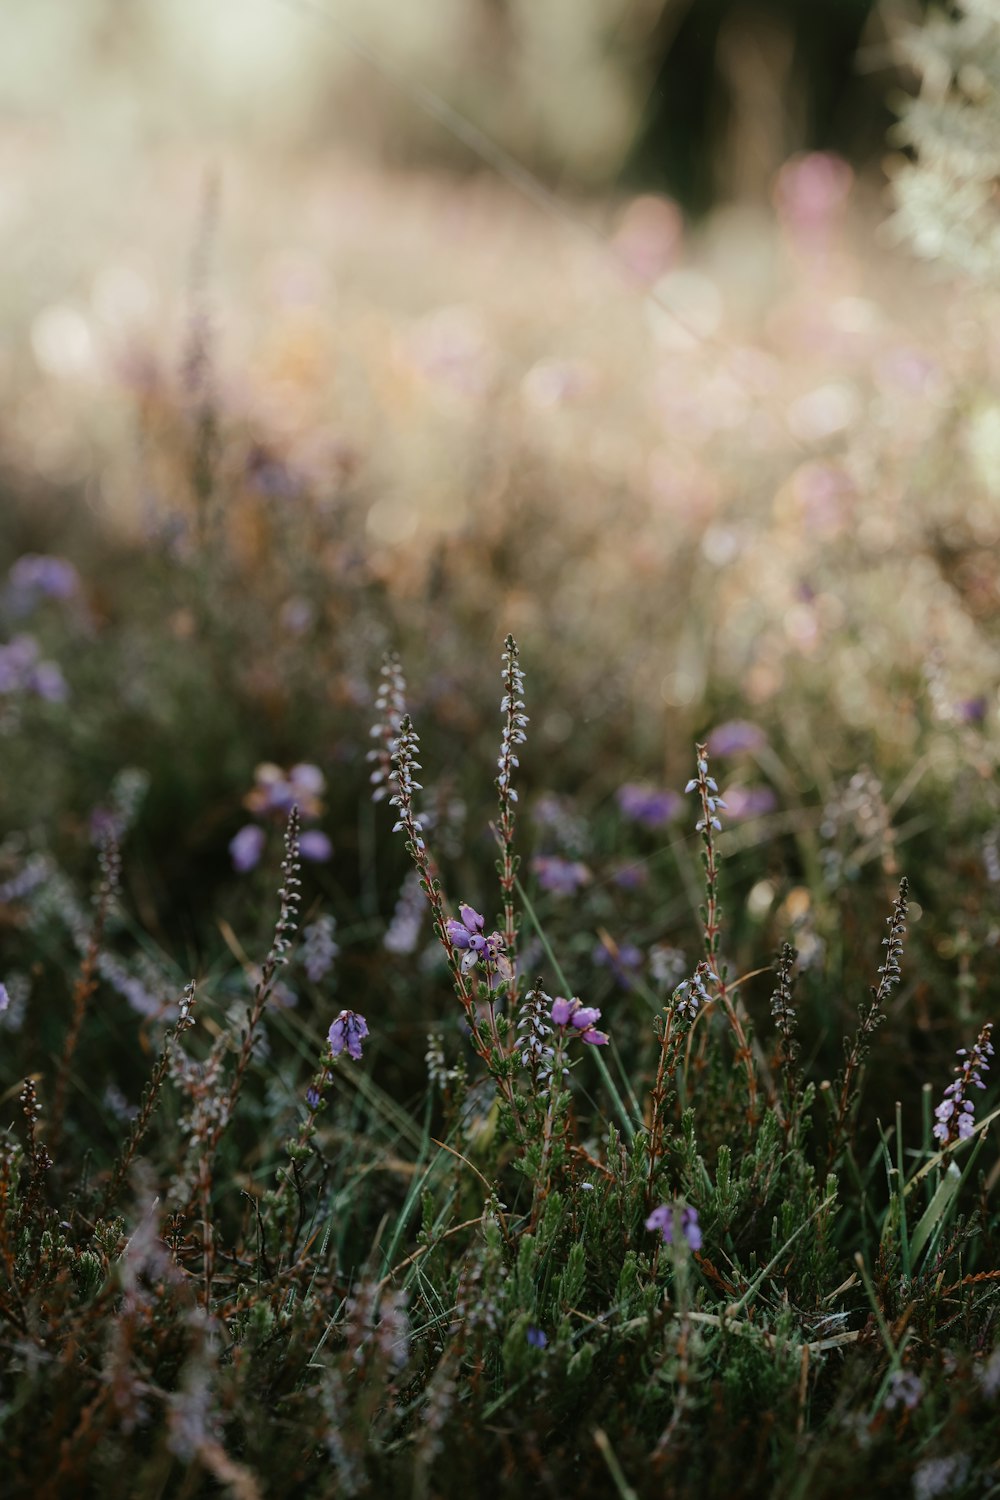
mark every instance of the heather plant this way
{"type": "Point", "coordinates": [611, 1223]}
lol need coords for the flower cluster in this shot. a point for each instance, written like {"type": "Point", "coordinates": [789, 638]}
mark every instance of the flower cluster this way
{"type": "Point", "coordinates": [662, 1218]}
{"type": "Point", "coordinates": [273, 794]}
{"type": "Point", "coordinates": [708, 789]}
{"type": "Point", "coordinates": [579, 1020]}
{"type": "Point", "coordinates": [476, 947]}
{"type": "Point", "coordinates": [390, 706]}
{"type": "Point", "coordinates": [955, 1115]}
{"type": "Point", "coordinates": [37, 576]}
{"type": "Point", "coordinates": [623, 959]}
{"type": "Point", "coordinates": [21, 671]}
{"type": "Point", "coordinates": [319, 947]}
{"type": "Point", "coordinates": [646, 805]}
{"type": "Point", "coordinates": [692, 993]}
{"type": "Point", "coordinates": [563, 877]}
{"type": "Point", "coordinates": [347, 1033]}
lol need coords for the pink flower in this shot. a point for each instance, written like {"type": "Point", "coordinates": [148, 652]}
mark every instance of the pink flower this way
{"type": "Point", "coordinates": [580, 1019]}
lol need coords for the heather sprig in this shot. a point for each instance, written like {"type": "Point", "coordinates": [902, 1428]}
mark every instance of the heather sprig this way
{"type": "Point", "coordinates": [955, 1115]}
{"type": "Point", "coordinates": [706, 788]}
{"type": "Point", "coordinates": [390, 707]}
{"type": "Point", "coordinates": [870, 1017]}
{"type": "Point", "coordinates": [512, 736]}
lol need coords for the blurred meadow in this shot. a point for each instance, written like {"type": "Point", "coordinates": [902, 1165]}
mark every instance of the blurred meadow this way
{"type": "Point", "coordinates": [331, 330]}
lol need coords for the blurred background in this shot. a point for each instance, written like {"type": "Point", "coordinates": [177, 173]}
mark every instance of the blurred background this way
{"type": "Point", "coordinates": [335, 326]}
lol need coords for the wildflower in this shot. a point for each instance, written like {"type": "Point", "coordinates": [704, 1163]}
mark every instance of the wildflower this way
{"type": "Point", "coordinates": [319, 948]}
{"type": "Point", "coordinates": [580, 1019]}
{"type": "Point", "coordinates": [39, 576]}
{"type": "Point", "coordinates": [4, 998]}
{"type": "Point", "coordinates": [667, 965]}
{"type": "Point", "coordinates": [536, 1337]}
{"type": "Point", "coordinates": [313, 1098]}
{"type": "Point", "coordinates": [735, 737]}
{"type": "Point", "coordinates": [246, 848]}
{"type": "Point", "coordinates": [564, 877]}
{"type": "Point", "coordinates": [708, 790]}
{"type": "Point", "coordinates": [277, 791]}
{"type": "Point", "coordinates": [693, 992]}
{"type": "Point", "coordinates": [662, 1218]}
{"type": "Point", "coordinates": [315, 846]}
{"type": "Point", "coordinates": [467, 935]}
{"type": "Point", "coordinates": [647, 805]}
{"type": "Point", "coordinates": [348, 1031]}
{"type": "Point", "coordinates": [622, 959]}
{"type": "Point", "coordinates": [905, 1389]}
{"type": "Point", "coordinates": [403, 932]}
{"type": "Point", "coordinates": [22, 672]}
{"type": "Point", "coordinates": [940, 1476]}
{"type": "Point", "coordinates": [955, 1114]}
{"type": "Point", "coordinates": [749, 801]}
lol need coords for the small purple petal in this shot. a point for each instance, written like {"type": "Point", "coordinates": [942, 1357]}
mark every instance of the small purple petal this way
{"type": "Point", "coordinates": [315, 846]}
{"type": "Point", "coordinates": [246, 848]}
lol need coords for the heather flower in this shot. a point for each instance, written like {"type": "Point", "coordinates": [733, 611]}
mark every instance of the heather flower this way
{"type": "Point", "coordinates": [277, 791]}
{"type": "Point", "coordinates": [4, 998]}
{"type": "Point", "coordinates": [630, 877]}
{"type": "Point", "coordinates": [563, 877]}
{"type": "Point", "coordinates": [692, 993]}
{"type": "Point", "coordinates": [246, 848]}
{"type": "Point", "coordinates": [736, 737]}
{"type": "Point", "coordinates": [940, 1476]}
{"type": "Point", "coordinates": [467, 936]}
{"type": "Point", "coordinates": [536, 1337]}
{"type": "Point", "coordinates": [905, 1390]}
{"type": "Point", "coordinates": [749, 802]}
{"type": "Point", "coordinates": [319, 948]}
{"type": "Point", "coordinates": [622, 959]}
{"type": "Point", "coordinates": [347, 1033]}
{"type": "Point", "coordinates": [403, 932]}
{"type": "Point", "coordinates": [662, 1218]}
{"type": "Point", "coordinates": [22, 672]}
{"type": "Point", "coordinates": [667, 965]}
{"type": "Point", "coordinates": [37, 575]}
{"type": "Point", "coordinates": [313, 1098]}
{"type": "Point", "coordinates": [708, 790]}
{"type": "Point", "coordinates": [580, 1019]}
{"type": "Point", "coordinates": [955, 1115]}
{"type": "Point", "coordinates": [646, 805]}
{"type": "Point", "coordinates": [971, 710]}
{"type": "Point", "coordinates": [315, 847]}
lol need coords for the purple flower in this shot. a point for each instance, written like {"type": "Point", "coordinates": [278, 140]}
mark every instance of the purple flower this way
{"type": "Point", "coordinates": [348, 1031]}
{"type": "Point", "coordinates": [315, 846]}
{"type": "Point", "coordinates": [313, 1098]}
{"type": "Point", "coordinates": [536, 1337]}
{"type": "Point", "coordinates": [4, 998]}
{"type": "Point", "coordinates": [319, 948]}
{"type": "Point", "coordinates": [39, 576]}
{"type": "Point", "coordinates": [735, 737]}
{"type": "Point", "coordinates": [277, 791]}
{"type": "Point", "coordinates": [580, 1019]}
{"type": "Point", "coordinates": [246, 848]}
{"type": "Point", "coordinates": [955, 1115]}
{"type": "Point", "coordinates": [647, 805]}
{"type": "Point", "coordinates": [622, 959]}
{"type": "Point", "coordinates": [662, 1218]}
{"type": "Point", "coordinates": [22, 672]}
{"type": "Point", "coordinates": [971, 710]}
{"type": "Point", "coordinates": [749, 801]}
{"type": "Point", "coordinates": [48, 682]}
{"type": "Point", "coordinates": [564, 877]}
{"type": "Point", "coordinates": [467, 936]}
